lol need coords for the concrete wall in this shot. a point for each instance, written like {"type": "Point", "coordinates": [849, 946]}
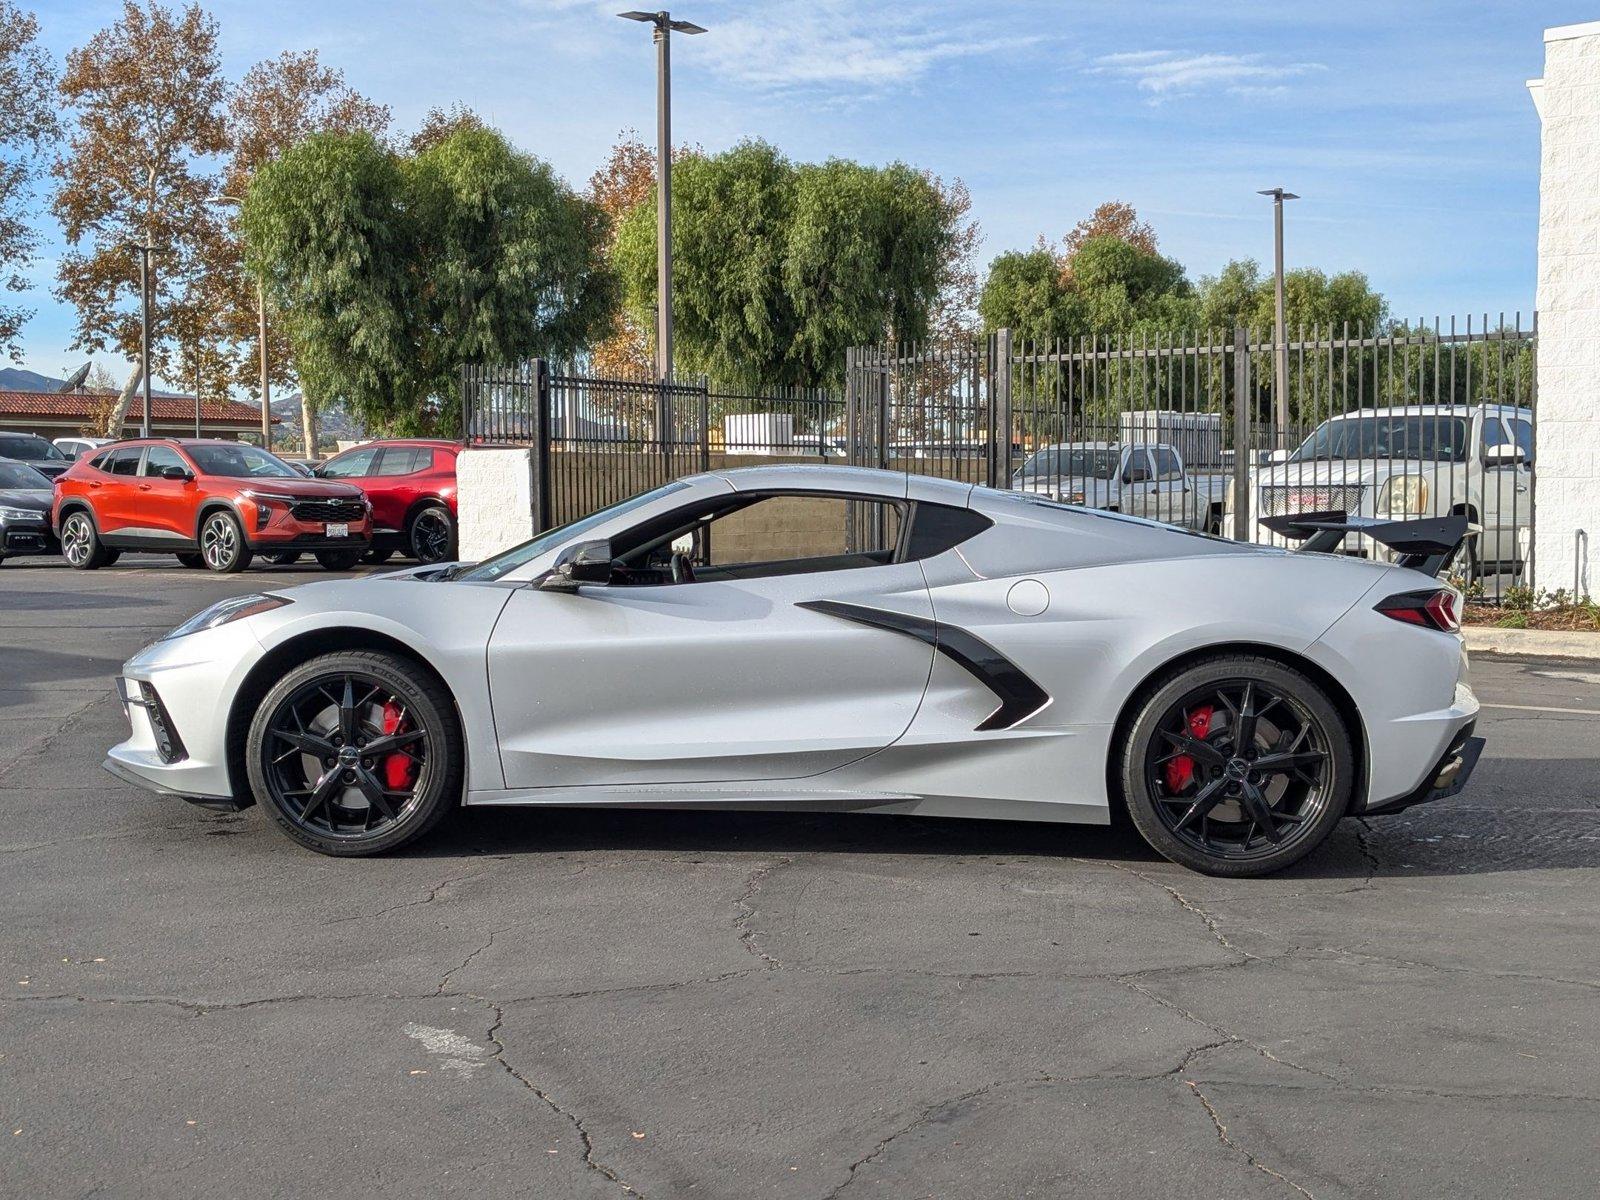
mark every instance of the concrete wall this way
{"type": "Point", "coordinates": [1568, 471]}
{"type": "Point", "coordinates": [494, 501]}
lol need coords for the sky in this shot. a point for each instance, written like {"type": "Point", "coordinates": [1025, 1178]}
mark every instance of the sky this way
{"type": "Point", "coordinates": [1406, 128]}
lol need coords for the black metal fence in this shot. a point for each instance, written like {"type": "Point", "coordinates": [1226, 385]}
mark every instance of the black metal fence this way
{"type": "Point", "coordinates": [1411, 419]}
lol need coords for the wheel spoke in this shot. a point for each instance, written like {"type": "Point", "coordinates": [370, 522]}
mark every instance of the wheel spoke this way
{"type": "Point", "coordinates": [347, 712]}
{"type": "Point", "coordinates": [306, 743]}
{"type": "Point", "coordinates": [1195, 748]}
{"type": "Point", "coordinates": [320, 794]}
{"type": "Point", "coordinates": [1245, 735]}
{"type": "Point", "coordinates": [1284, 762]}
{"type": "Point", "coordinates": [1210, 796]}
{"type": "Point", "coordinates": [1255, 803]}
{"type": "Point", "coordinates": [393, 743]}
{"type": "Point", "coordinates": [373, 790]}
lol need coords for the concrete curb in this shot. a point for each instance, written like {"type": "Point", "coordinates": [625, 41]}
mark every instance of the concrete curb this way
{"type": "Point", "coordinates": [1547, 643]}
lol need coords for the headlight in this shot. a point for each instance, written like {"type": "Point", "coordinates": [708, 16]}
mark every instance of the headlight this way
{"type": "Point", "coordinates": [20, 514]}
{"type": "Point", "coordinates": [235, 608]}
{"type": "Point", "coordinates": [1073, 498]}
{"type": "Point", "coordinates": [1403, 495]}
{"type": "Point", "coordinates": [270, 497]}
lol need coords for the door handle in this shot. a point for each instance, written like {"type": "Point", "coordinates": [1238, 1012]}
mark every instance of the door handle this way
{"type": "Point", "coordinates": [1521, 488]}
{"type": "Point", "coordinates": [144, 487]}
{"type": "Point", "coordinates": [94, 483]}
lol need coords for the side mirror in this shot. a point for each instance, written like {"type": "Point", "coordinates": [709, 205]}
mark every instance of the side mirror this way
{"type": "Point", "coordinates": [586, 562]}
{"type": "Point", "coordinates": [179, 474]}
{"type": "Point", "coordinates": [1504, 455]}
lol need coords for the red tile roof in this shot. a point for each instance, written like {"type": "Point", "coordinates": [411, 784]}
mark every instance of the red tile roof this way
{"type": "Point", "coordinates": [81, 405]}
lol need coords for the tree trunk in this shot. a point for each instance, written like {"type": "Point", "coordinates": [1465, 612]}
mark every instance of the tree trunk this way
{"type": "Point", "coordinates": [308, 425]}
{"type": "Point", "coordinates": [119, 410]}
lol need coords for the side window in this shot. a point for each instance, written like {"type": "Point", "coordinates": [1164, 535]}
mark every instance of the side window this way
{"type": "Point", "coordinates": [1522, 430]}
{"type": "Point", "coordinates": [1494, 434]}
{"type": "Point", "coordinates": [798, 533]}
{"type": "Point", "coordinates": [1138, 468]}
{"type": "Point", "coordinates": [346, 466]}
{"type": "Point", "coordinates": [400, 460]}
{"type": "Point", "coordinates": [1167, 466]}
{"type": "Point", "coordinates": [160, 458]}
{"type": "Point", "coordinates": [937, 527]}
{"type": "Point", "coordinates": [102, 462]}
{"type": "Point", "coordinates": [125, 461]}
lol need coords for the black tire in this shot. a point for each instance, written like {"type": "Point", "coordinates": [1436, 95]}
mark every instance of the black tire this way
{"type": "Point", "coordinates": [431, 534]}
{"type": "Point", "coordinates": [378, 557]}
{"type": "Point", "coordinates": [1300, 802]}
{"type": "Point", "coordinates": [284, 558]}
{"type": "Point", "coordinates": [339, 560]}
{"type": "Point", "coordinates": [222, 543]}
{"type": "Point", "coordinates": [80, 543]}
{"type": "Point", "coordinates": [192, 559]}
{"type": "Point", "coordinates": [310, 702]}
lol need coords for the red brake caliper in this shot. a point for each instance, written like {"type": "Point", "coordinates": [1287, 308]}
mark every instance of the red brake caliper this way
{"type": "Point", "coordinates": [1180, 770]}
{"type": "Point", "coordinates": [399, 770]}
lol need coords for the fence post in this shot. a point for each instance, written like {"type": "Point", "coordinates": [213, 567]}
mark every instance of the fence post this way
{"type": "Point", "coordinates": [852, 400]}
{"type": "Point", "coordinates": [1000, 466]}
{"type": "Point", "coordinates": [466, 407]}
{"type": "Point", "coordinates": [883, 390]}
{"type": "Point", "coordinates": [705, 423]}
{"type": "Point", "coordinates": [542, 517]}
{"type": "Point", "coordinates": [1241, 435]}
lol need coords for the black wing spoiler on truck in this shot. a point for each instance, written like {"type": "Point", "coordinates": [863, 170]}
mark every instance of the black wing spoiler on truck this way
{"type": "Point", "coordinates": [1427, 545]}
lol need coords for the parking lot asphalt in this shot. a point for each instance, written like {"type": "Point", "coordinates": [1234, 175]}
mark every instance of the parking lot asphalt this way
{"type": "Point", "coordinates": [559, 1004]}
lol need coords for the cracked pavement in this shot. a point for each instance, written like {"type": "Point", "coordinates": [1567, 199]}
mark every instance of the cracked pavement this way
{"type": "Point", "coordinates": [657, 1004]}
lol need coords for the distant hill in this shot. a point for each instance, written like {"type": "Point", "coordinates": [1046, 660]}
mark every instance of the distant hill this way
{"type": "Point", "coordinates": [333, 421]}
{"type": "Point", "coordinates": [15, 379]}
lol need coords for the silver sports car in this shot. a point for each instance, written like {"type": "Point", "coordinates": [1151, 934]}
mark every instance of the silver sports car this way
{"type": "Point", "coordinates": [838, 639]}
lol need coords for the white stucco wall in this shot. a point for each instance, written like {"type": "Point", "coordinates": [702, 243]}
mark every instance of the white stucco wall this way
{"type": "Point", "coordinates": [1568, 470]}
{"type": "Point", "coordinates": [494, 501]}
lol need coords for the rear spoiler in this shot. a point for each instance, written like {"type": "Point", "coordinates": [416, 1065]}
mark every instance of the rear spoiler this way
{"type": "Point", "coordinates": [1427, 545]}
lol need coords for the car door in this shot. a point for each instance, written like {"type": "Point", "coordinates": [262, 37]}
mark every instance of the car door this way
{"type": "Point", "coordinates": [1138, 484]}
{"type": "Point", "coordinates": [391, 486]}
{"type": "Point", "coordinates": [115, 496]}
{"type": "Point", "coordinates": [1505, 490]}
{"type": "Point", "coordinates": [166, 508]}
{"type": "Point", "coordinates": [731, 677]}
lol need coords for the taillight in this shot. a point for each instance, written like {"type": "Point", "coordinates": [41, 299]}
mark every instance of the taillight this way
{"type": "Point", "coordinates": [1431, 610]}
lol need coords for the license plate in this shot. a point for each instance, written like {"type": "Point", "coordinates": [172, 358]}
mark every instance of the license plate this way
{"type": "Point", "coordinates": [338, 530]}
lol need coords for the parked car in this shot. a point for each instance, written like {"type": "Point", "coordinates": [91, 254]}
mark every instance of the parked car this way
{"type": "Point", "coordinates": [1143, 479]}
{"type": "Point", "coordinates": [412, 485]}
{"type": "Point", "coordinates": [1418, 460]}
{"type": "Point", "coordinates": [77, 447]}
{"type": "Point", "coordinates": [32, 449]}
{"type": "Point", "coordinates": [214, 504]}
{"type": "Point", "coordinates": [997, 655]}
{"type": "Point", "coordinates": [25, 497]}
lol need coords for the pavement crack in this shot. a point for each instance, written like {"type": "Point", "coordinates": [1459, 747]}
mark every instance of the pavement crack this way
{"type": "Point", "coordinates": [433, 894]}
{"type": "Point", "coordinates": [60, 731]}
{"type": "Point", "coordinates": [1210, 921]}
{"type": "Point", "coordinates": [589, 1160]}
{"type": "Point", "coordinates": [444, 982]}
{"type": "Point", "coordinates": [747, 910]}
{"type": "Point", "coordinates": [1228, 1141]}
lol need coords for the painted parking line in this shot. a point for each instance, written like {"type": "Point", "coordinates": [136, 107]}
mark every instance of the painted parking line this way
{"type": "Point", "coordinates": [1571, 712]}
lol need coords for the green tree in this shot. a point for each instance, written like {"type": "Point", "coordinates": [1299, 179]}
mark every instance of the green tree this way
{"type": "Point", "coordinates": [28, 126]}
{"type": "Point", "coordinates": [391, 272]}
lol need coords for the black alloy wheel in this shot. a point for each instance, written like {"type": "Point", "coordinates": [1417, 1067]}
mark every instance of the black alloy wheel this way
{"type": "Point", "coordinates": [433, 535]}
{"type": "Point", "coordinates": [222, 544]}
{"type": "Point", "coordinates": [1238, 766]}
{"type": "Point", "coordinates": [356, 753]}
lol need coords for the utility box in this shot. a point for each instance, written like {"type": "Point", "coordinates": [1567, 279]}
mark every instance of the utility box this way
{"type": "Point", "coordinates": [1196, 436]}
{"type": "Point", "coordinates": [759, 433]}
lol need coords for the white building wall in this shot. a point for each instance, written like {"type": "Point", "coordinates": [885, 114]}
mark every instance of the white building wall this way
{"type": "Point", "coordinates": [1568, 471]}
{"type": "Point", "coordinates": [494, 501]}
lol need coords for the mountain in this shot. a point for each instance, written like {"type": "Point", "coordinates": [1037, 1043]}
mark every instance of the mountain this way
{"type": "Point", "coordinates": [15, 379]}
{"type": "Point", "coordinates": [334, 422]}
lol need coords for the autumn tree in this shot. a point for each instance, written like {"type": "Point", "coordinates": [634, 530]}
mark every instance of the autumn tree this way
{"type": "Point", "coordinates": [1113, 219]}
{"type": "Point", "coordinates": [625, 181]}
{"type": "Point", "coordinates": [27, 127]}
{"type": "Point", "coordinates": [146, 100]}
{"type": "Point", "coordinates": [279, 103]}
{"type": "Point", "coordinates": [440, 123]}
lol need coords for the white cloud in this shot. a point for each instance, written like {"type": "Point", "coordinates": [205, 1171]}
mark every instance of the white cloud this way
{"type": "Point", "coordinates": [1166, 73]}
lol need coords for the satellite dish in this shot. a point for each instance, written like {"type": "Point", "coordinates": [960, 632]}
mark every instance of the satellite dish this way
{"type": "Point", "coordinates": [76, 380]}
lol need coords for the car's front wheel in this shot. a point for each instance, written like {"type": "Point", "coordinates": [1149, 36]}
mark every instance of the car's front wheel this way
{"type": "Point", "coordinates": [81, 545]}
{"type": "Point", "coordinates": [433, 534]}
{"type": "Point", "coordinates": [356, 753]}
{"type": "Point", "coordinates": [222, 544]}
{"type": "Point", "coordinates": [1237, 765]}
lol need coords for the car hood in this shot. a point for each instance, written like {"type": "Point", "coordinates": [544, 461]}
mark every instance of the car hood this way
{"type": "Point", "coordinates": [1336, 471]}
{"type": "Point", "coordinates": [48, 467]}
{"type": "Point", "coordinates": [27, 498]}
{"type": "Point", "coordinates": [302, 488]}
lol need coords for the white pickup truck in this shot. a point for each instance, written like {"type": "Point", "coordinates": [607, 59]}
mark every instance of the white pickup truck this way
{"type": "Point", "coordinates": [1143, 479]}
{"type": "Point", "coordinates": [1414, 461]}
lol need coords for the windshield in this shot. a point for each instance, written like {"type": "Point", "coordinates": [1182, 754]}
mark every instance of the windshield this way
{"type": "Point", "coordinates": [502, 564]}
{"type": "Point", "coordinates": [1428, 438]}
{"type": "Point", "coordinates": [1076, 464]}
{"type": "Point", "coordinates": [240, 462]}
{"type": "Point", "coordinates": [27, 446]}
{"type": "Point", "coordinates": [26, 479]}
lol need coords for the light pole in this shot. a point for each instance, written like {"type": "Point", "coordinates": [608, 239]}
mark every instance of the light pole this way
{"type": "Point", "coordinates": [664, 25]}
{"type": "Point", "coordinates": [261, 336]}
{"type": "Point", "coordinates": [145, 250]}
{"type": "Point", "coordinates": [1280, 341]}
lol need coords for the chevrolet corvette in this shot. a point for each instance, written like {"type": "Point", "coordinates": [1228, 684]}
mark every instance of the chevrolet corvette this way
{"type": "Point", "coordinates": [836, 639]}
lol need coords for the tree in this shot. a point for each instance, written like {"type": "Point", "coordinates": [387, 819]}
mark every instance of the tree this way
{"type": "Point", "coordinates": [277, 104]}
{"type": "Point", "coordinates": [146, 94]}
{"type": "Point", "coordinates": [1113, 219]}
{"type": "Point", "coordinates": [440, 123]}
{"type": "Point", "coordinates": [390, 272]}
{"type": "Point", "coordinates": [27, 126]}
{"type": "Point", "coordinates": [778, 268]}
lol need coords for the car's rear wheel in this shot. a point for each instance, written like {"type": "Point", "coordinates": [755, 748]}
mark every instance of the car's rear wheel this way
{"type": "Point", "coordinates": [378, 557]}
{"type": "Point", "coordinates": [432, 536]}
{"type": "Point", "coordinates": [284, 558]}
{"type": "Point", "coordinates": [356, 753]}
{"type": "Point", "coordinates": [81, 545]}
{"type": "Point", "coordinates": [192, 559]}
{"type": "Point", "coordinates": [222, 543]}
{"type": "Point", "coordinates": [339, 560]}
{"type": "Point", "coordinates": [1237, 765]}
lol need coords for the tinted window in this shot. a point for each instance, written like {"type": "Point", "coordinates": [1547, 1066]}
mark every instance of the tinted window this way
{"type": "Point", "coordinates": [1138, 467]}
{"type": "Point", "coordinates": [15, 475]}
{"type": "Point", "coordinates": [102, 462]}
{"type": "Point", "coordinates": [937, 527]}
{"type": "Point", "coordinates": [402, 460]}
{"type": "Point", "coordinates": [29, 447]}
{"type": "Point", "coordinates": [160, 458]}
{"type": "Point", "coordinates": [346, 466]}
{"type": "Point", "coordinates": [786, 529]}
{"type": "Point", "coordinates": [1167, 464]}
{"type": "Point", "coordinates": [240, 461]}
{"type": "Point", "coordinates": [125, 461]}
{"type": "Point", "coordinates": [1522, 430]}
{"type": "Point", "coordinates": [1427, 438]}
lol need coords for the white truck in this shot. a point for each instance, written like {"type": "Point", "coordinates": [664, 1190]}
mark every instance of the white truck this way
{"type": "Point", "coordinates": [1416, 460]}
{"type": "Point", "coordinates": [1143, 479]}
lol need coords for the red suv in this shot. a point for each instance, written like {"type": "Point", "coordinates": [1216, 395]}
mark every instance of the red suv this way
{"type": "Point", "coordinates": [215, 504]}
{"type": "Point", "coordinates": [412, 486]}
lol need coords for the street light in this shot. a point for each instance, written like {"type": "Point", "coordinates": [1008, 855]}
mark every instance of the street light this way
{"type": "Point", "coordinates": [1280, 342]}
{"type": "Point", "coordinates": [224, 201]}
{"type": "Point", "coordinates": [145, 250]}
{"type": "Point", "coordinates": [664, 25]}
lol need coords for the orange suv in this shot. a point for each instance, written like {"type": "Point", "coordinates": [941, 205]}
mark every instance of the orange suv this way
{"type": "Point", "coordinates": [214, 504]}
